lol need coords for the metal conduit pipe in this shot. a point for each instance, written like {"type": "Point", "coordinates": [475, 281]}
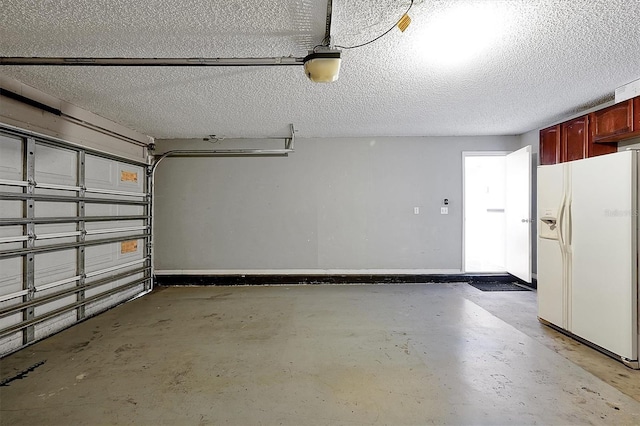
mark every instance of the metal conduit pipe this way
{"type": "Point", "coordinates": [153, 62]}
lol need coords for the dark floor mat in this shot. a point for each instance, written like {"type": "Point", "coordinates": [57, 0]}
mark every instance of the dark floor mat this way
{"type": "Point", "coordinates": [498, 287]}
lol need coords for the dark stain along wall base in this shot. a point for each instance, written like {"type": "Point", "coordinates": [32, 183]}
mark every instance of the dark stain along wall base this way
{"type": "Point", "coordinates": [248, 279]}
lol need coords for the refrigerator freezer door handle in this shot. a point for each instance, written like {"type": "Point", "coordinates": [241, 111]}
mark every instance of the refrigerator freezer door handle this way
{"type": "Point", "coordinates": [569, 225]}
{"type": "Point", "coordinates": [560, 227]}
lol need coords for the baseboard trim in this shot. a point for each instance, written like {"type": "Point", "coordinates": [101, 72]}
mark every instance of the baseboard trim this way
{"type": "Point", "coordinates": [353, 278]}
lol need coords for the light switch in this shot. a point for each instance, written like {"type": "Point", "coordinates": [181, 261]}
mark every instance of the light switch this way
{"type": "Point", "coordinates": [416, 210]}
{"type": "Point", "coordinates": [444, 210]}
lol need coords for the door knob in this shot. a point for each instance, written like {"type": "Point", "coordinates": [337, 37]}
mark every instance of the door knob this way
{"type": "Point", "coordinates": [525, 220]}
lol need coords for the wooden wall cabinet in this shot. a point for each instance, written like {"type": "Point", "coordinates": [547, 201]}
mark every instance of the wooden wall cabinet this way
{"type": "Point", "coordinates": [597, 133]}
{"type": "Point", "coordinates": [613, 121]}
{"type": "Point", "coordinates": [550, 145]}
{"type": "Point", "coordinates": [574, 135]}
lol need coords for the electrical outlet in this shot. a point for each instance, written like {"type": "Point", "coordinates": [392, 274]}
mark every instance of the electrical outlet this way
{"type": "Point", "coordinates": [444, 210]}
{"type": "Point", "coordinates": [416, 210]}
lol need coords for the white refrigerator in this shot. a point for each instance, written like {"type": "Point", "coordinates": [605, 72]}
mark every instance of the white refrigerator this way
{"type": "Point", "coordinates": [588, 251]}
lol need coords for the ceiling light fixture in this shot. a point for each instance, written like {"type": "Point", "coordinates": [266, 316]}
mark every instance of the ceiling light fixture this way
{"type": "Point", "coordinates": [322, 66]}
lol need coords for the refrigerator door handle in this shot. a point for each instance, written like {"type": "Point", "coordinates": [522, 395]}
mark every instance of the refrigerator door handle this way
{"type": "Point", "coordinates": [569, 225]}
{"type": "Point", "coordinates": [560, 226]}
{"type": "Point", "coordinates": [564, 250]}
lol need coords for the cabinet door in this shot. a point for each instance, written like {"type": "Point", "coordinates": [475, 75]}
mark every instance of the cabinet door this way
{"type": "Point", "coordinates": [550, 145]}
{"type": "Point", "coordinates": [636, 114]}
{"type": "Point", "coordinates": [614, 120]}
{"type": "Point", "coordinates": [595, 149]}
{"type": "Point", "coordinates": [575, 135]}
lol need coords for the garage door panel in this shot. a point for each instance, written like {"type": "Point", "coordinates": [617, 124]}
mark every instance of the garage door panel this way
{"type": "Point", "coordinates": [101, 172]}
{"type": "Point", "coordinates": [100, 210]}
{"type": "Point", "coordinates": [130, 210]}
{"type": "Point", "coordinates": [11, 342]}
{"type": "Point", "coordinates": [130, 178]}
{"type": "Point", "coordinates": [56, 304]}
{"type": "Point", "coordinates": [11, 159]}
{"type": "Point", "coordinates": [100, 257]}
{"type": "Point", "coordinates": [91, 226]}
{"type": "Point", "coordinates": [11, 233]}
{"type": "Point", "coordinates": [107, 302]}
{"type": "Point", "coordinates": [99, 306]}
{"type": "Point", "coordinates": [101, 303]}
{"type": "Point", "coordinates": [29, 282]}
{"type": "Point", "coordinates": [10, 208]}
{"type": "Point", "coordinates": [93, 291]}
{"type": "Point", "coordinates": [50, 326]}
{"type": "Point", "coordinates": [54, 241]}
{"type": "Point", "coordinates": [47, 289]}
{"type": "Point", "coordinates": [10, 280]}
{"type": "Point", "coordinates": [114, 175]}
{"type": "Point", "coordinates": [54, 209]}
{"type": "Point", "coordinates": [127, 294]}
{"type": "Point", "coordinates": [57, 192]}
{"type": "Point", "coordinates": [115, 234]}
{"type": "Point", "coordinates": [99, 289]}
{"type": "Point", "coordinates": [51, 267]}
{"type": "Point", "coordinates": [55, 228]}
{"type": "Point", "coordinates": [55, 165]}
{"type": "Point", "coordinates": [50, 234]}
{"type": "Point", "coordinates": [114, 254]}
{"type": "Point", "coordinates": [130, 250]}
{"type": "Point", "coordinates": [92, 209]}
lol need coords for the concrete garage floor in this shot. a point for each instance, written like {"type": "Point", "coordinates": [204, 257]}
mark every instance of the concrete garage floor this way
{"type": "Point", "coordinates": [321, 354]}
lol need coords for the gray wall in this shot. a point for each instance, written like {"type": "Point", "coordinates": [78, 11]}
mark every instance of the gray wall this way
{"type": "Point", "coordinates": [629, 144]}
{"type": "Point", "coordinates": [333, 204]}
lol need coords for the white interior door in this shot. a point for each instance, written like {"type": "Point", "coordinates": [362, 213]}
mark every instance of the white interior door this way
{"type": "Point", "coordinates": [518, 214]}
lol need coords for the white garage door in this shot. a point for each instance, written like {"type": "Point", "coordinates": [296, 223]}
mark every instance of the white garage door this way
{"type": "Point", "coordinates": [74, 235]}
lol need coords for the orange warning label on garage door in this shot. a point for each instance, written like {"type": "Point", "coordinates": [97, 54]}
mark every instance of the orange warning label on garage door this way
{"type": "Point", "coordinates": [128, 246]}
{"type": "Point", "coordinates": [128, 176]}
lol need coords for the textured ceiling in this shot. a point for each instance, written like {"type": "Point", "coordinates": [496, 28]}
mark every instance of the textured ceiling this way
{"type": "Point", "coordinates": [462, 67]}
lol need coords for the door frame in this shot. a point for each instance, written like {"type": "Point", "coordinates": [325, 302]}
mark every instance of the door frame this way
{"type": "Point", "coordinates": [465, 154]}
